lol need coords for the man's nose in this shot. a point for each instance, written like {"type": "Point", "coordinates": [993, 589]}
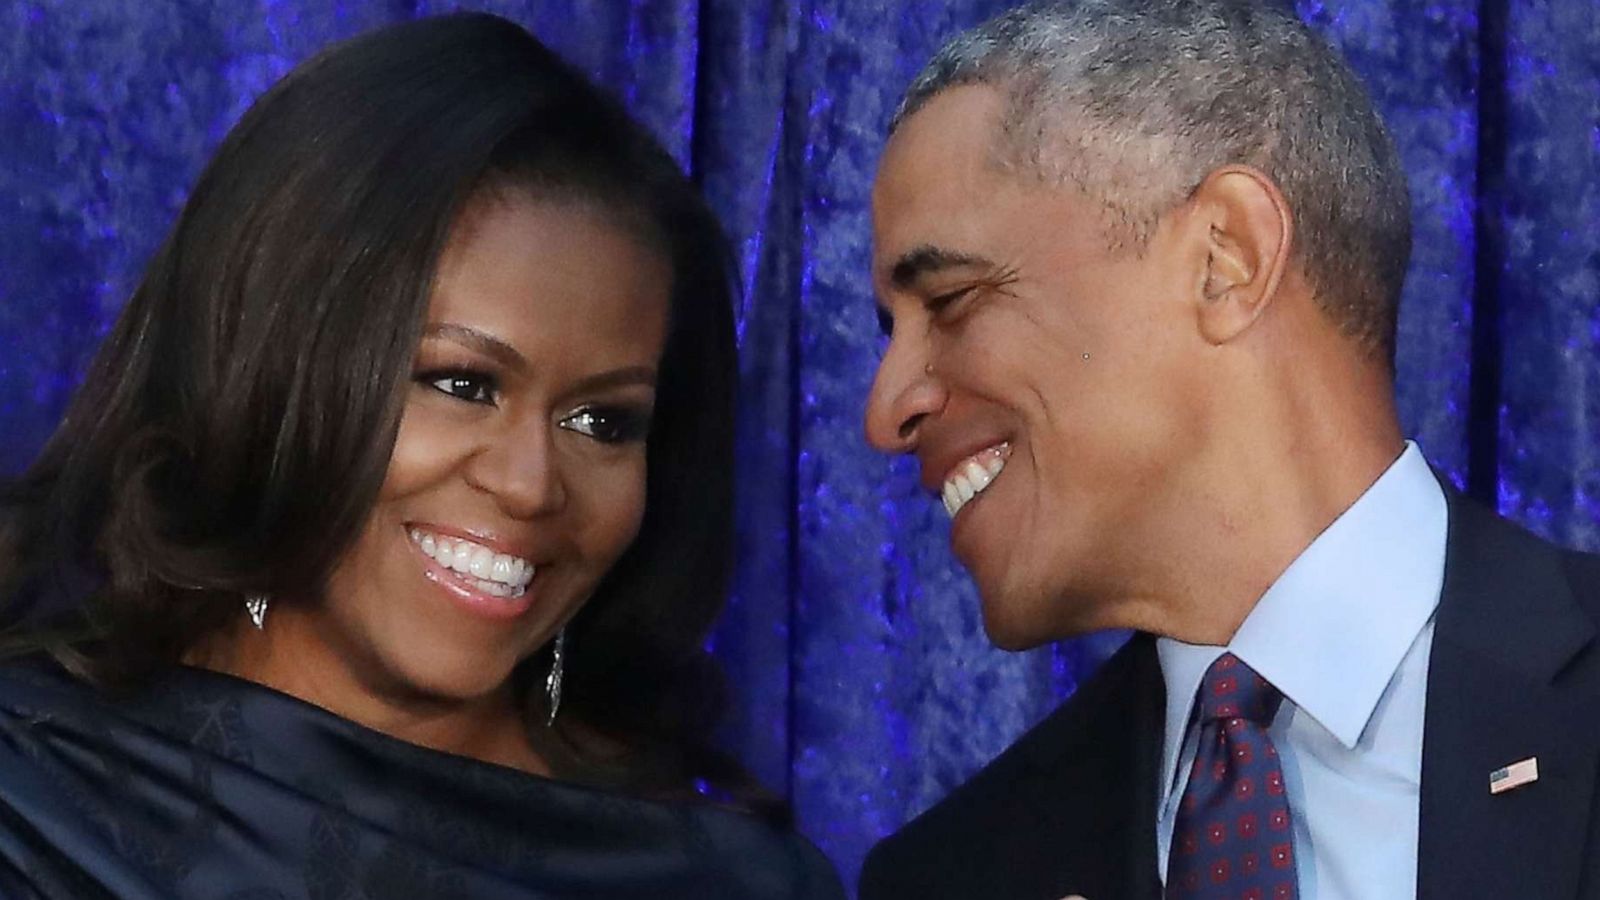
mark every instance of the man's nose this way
{"type": "Point", "coordinates": [905, 392]}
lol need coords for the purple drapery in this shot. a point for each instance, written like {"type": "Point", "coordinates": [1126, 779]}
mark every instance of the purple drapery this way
{"type": "Point", "coordinates": [866, 688]}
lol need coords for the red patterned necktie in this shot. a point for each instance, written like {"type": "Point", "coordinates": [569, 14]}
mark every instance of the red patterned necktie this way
{"type": "Point", "coordinates": [1232, 837]}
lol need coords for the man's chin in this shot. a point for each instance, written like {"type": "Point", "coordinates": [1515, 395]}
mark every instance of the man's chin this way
{"type": "Point", "coordinates": [1011, 628]}
{"type": "Point", "coordinates": [1016, 618]}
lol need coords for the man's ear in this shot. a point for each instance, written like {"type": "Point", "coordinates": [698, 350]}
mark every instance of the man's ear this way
{"type": "Point", "coordinates": [1246, 249]}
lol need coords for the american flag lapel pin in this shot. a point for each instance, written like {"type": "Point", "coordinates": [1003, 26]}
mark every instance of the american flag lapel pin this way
{"type": "Point", "coordinates": [1514, 776]}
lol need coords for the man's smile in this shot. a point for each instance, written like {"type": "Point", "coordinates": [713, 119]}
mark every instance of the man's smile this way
{"type": "Point", "coordinates": [972, 475]}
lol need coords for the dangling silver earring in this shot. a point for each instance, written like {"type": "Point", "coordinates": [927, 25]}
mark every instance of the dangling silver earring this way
{"type": "Point", "coordinates": [256, 606]}
{"type": "Point", "coordinates": [552, 684]}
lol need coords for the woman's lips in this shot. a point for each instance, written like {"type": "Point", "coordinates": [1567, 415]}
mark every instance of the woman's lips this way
{"type": "Point", "coordinates": [479, 596]}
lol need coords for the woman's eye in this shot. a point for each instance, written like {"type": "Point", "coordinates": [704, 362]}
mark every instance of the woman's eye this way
{"type": "Point", "coordinates": [469, 386]}
{"type": "Point", "coordinates": [608, 425]}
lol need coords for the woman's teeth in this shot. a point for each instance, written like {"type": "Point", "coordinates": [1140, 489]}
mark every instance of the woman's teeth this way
{"type": "Point", "coordinates": [498, 574]}
{"type": "Point", "coordinates": [972, 476]}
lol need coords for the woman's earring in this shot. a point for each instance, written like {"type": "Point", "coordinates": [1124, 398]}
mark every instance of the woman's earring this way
{"type": "Point", "coordinates": [256, 606]}
{"type": "Point", "coordinates": [552, 684]}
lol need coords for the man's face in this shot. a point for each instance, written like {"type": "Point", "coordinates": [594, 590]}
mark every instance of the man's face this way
{"type": "Point", "coordinates": [1033, 367]}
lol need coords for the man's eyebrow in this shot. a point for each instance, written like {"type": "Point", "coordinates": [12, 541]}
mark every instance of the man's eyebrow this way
{"type": "Point", "coordinates": [927, 259]}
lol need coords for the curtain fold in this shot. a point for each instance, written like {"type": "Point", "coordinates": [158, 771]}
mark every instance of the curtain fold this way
{"type": "Point", "coordinates": [864, 688]}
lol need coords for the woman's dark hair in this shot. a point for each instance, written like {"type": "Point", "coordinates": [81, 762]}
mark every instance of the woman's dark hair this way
{"type": "Point", "coordinates": [231, 434]}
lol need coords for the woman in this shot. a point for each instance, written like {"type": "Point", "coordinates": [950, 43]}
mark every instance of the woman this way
{"type": "Point", "coordinates": [375, 554]}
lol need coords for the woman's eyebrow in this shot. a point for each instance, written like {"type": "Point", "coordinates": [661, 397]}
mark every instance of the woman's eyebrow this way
{"type": "Point", "coordinates": [626, 376]}
{"type": "Point", "coordinates": [489, 345]}
{"type": "Point", "coordinates": [481, 341]}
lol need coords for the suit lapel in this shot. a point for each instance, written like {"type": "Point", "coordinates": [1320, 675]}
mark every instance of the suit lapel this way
{"type": "Point", "coordinates": [1093, 795]}
{"type": "Point", "coordinates": [1505, 684]}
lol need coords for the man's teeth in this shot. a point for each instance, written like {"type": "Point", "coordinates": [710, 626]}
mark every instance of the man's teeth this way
{"type": "Point", "coordinates": [499, 574]}
{"type": "Point", "coordinates": [971, 477]}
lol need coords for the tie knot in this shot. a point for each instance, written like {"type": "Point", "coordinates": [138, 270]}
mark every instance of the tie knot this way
{"type": "Point", "coordinates": [1232, 690]}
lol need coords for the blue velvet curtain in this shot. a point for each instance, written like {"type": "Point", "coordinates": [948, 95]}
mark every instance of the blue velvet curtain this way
{"type": "Point", "coordinates": [866, 688]}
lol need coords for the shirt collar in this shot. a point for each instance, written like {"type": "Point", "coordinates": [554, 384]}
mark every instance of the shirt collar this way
{"type": "Point", "coordinates": [1334, 627]}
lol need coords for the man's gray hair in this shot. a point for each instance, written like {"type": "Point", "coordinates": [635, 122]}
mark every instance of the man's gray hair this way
{"type": "Point", "coordinates": [1135, 102]}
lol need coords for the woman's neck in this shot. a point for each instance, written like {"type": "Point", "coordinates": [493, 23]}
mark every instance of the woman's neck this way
{"type": "Point", "coordinates": [490, 728]}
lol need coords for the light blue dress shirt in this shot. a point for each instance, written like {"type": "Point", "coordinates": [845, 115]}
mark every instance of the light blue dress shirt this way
{"type": "Point", "coordinates": [1344, 633]}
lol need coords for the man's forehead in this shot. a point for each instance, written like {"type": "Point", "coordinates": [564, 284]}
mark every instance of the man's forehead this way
{"type": "Point", "coordinates": [935, 169]}
{"type": "Point", "coordinates": [956, 128]}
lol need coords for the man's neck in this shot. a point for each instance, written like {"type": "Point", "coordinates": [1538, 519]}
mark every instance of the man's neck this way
{"type": "Point", "coordinates": [1273, 482]}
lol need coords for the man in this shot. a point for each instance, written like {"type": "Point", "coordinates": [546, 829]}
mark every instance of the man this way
{"type": "Point", "coordinates": [1140, 262]}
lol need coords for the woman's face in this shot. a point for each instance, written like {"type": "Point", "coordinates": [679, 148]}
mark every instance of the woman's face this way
{"type": "Point", "coordinates": [518, 477]}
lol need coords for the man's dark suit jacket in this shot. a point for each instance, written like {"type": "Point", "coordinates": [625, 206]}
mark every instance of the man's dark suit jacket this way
{"type": "Point", "coordinates": [1514, 673]}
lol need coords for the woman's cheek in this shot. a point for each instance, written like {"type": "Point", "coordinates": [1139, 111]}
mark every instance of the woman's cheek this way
{"type": "Point", "coordinates": [617, 500]}
{"type": "Point", "coordinates": [427, 447]}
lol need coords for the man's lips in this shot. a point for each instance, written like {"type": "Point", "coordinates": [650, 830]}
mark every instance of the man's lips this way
{"type": "Point", "coordinates": [941, 461]}
{"type": "Point", "coordinates": [972, 476]}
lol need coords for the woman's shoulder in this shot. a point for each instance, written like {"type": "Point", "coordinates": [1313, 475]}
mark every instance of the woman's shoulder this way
{"type": "Point", "coordinates": [757, 858]}
{"type": "Point", "coordinates": [106, 765]}
{"type": "Point", "coordinates": [40, 684]}
{"type": "Point", "coordinates": [35, 682]}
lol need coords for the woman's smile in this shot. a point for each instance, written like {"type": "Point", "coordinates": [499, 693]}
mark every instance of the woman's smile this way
{"type": "Point", "coordinates": [517, 477]}
{"type": "Point", "coordinates": [477, 577]}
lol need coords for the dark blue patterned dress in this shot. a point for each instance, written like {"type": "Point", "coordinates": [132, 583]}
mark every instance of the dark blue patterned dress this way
{"type": "Point", "coordinates": [206, 786]}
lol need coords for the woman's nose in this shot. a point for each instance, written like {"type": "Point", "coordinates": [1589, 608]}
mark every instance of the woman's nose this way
{"type": "Point", "coordinates": [520, 468]}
